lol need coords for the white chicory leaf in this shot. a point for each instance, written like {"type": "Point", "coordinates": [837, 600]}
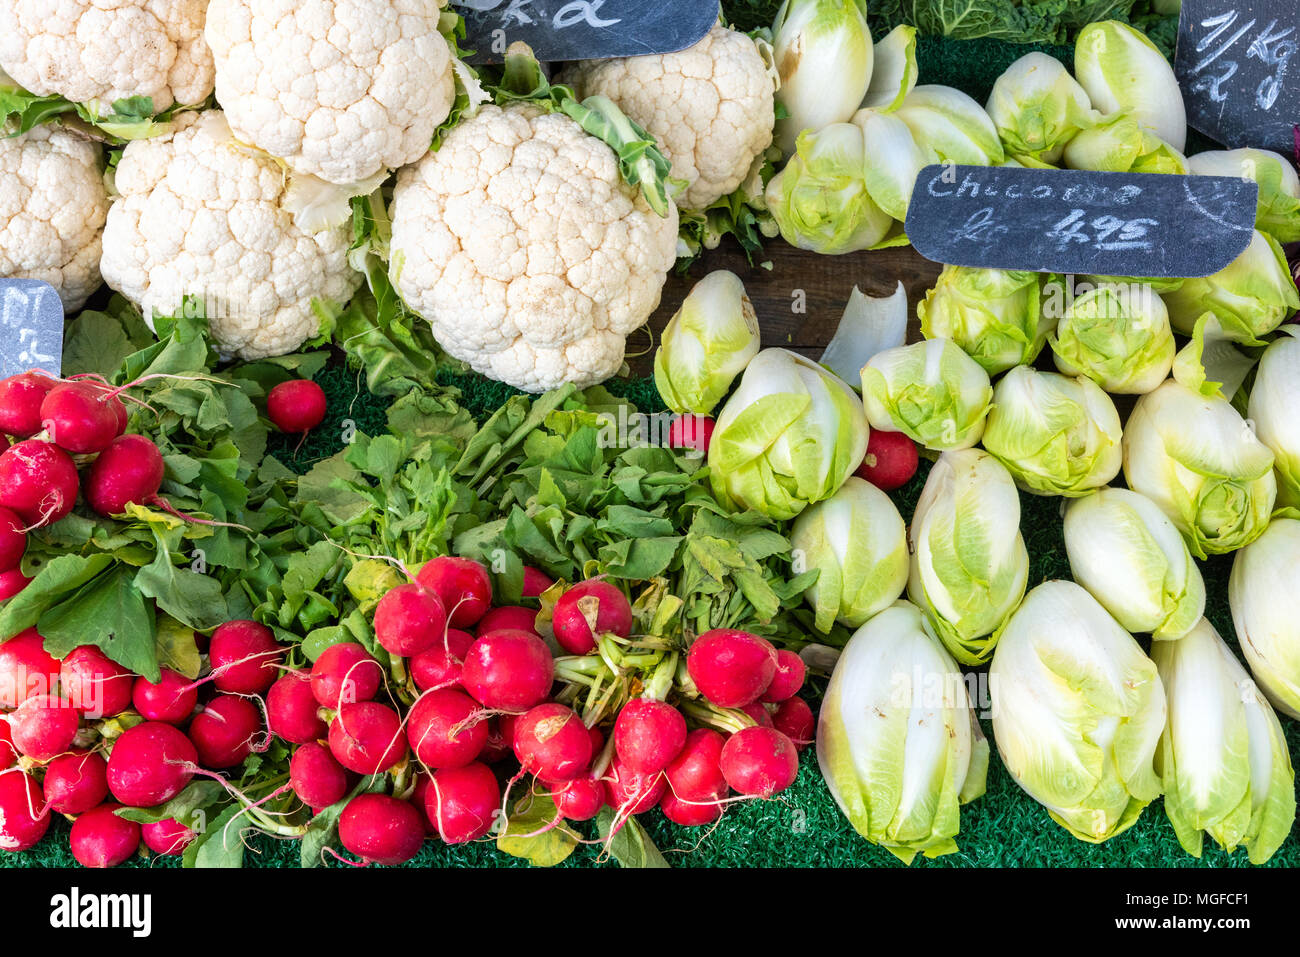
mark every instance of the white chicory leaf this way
{"type": "Point", "coordinates": [1132, 559]}
{"type": "Point", "coordinates": [789, 436]}
{"type": "Point", "coordinates": [706, 344]}
{"type": "Point", "coordinates": [1077, 711]}
{"type": "Point", "coordinates": [996, 316]}
{"type": "Point", "coordinates": [969, 564]}
{"type": "Point", "coordinates": [1118, 335]}
{"type": "Point", "coordinates": [869, 325]}
{"type": "Point", "coordinates": [1055, 434]}
{"type": "Point", "coordinates": [931, 391]}
{"type": "Point", "coordinates": [825, 58]}
{"type": "Point", "coordinates": [894, 73]}
{"type": "Point", "coordinates": [1264, 594]}
{"type": "Point", "coordinates": [857, 540]}
{"type": "Point", "coordinates": [1223, 758]}
{"type": "Point", "coordinates": [1196, 458]}
{"type": "Point", "coordinates": [1123, 71]}
{"type": "Point", "coordinates": [1274, 409]}
{"type": "Point", "coordinates": [897, 740]}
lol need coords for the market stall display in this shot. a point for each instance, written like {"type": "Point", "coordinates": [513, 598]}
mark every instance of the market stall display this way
{"type": "Point", "coordinates": [358, 519]}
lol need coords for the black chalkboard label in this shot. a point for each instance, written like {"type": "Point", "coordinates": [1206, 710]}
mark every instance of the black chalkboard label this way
{"type": "Point", "coordinates": [1238, 66]}
{"type": "Point", "coordinates": [583, 29]}
{"type": "Point", "coordinates": [31, 327]}
{"type": "Point", "coordinates": [1067, 221]}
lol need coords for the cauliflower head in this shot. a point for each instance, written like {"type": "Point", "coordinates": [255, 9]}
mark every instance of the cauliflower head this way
{"type": "Point", "coordinates": [339, 89]}
{"type": "Point", "coordinates": [108, 50]}
{"type": "Point", "coordinates": [526, 251]}
{"type": "Point", "coordinates": [52, 209]}
{"type": "Point", "coordinates": [202, 215]}
{"type": "Point", "coordinates": [711, 107]}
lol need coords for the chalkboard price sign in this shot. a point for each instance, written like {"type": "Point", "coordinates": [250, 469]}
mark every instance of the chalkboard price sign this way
{"type": "Point", "coordinates": [1085, 223]}
{"type": "Point", "coordinates": [1238, 66]}
{"type": "Point", "coordinates": [584, 29]}
{"type": "Point", "coordinates": [31, 327]}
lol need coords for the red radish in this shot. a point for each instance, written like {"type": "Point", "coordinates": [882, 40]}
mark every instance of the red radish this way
{"type": "Point", "coordinates": [344, 674]}
{"type": "Point", "coordinates": [244, 655]}
{"type": "Point", "coordinates": [96, 685]}
{"type": "Point", "coordinates": [759, 762]}
{"type": "Point", "coordinates": [789, 677]}
{"type": "Point", "coordinates": [225, 731]}
{"type": "Point", "coordinates": [597, 601]}
{"type": "Point", "coordinates": [129, 472]}
{"type": "Point", "coordinates": [26, 668]}
{"type": "Point", "coordinates": [462, 584]}
{"type": "Point", "coordinates": [631, 793]}
{"type": "Point", "coordinates": [507, 723]}
{"type": "Point", "coordinates": [24, 817]}
{"type": "Point", "coordinates": [20, 402]}
{"type": "Point", "coordinates": [552, 742]}
{"type": "Point", "coordinates": [75, 783]}
{"type": "Point", "coordinates": [580, 799]}
{"type": "Point", "coordinates": [648, 734]}
{"type": "Point", "coordinates": [380, 829]}
{"type": "Point", "coordinates": [891, 460]}
{"type": "Point", "coordinates": [691, 813]}
{"type": "Point", "coordinates": [535, 582]}
{"type": "Point", "coordinates": [696, 773]}
{"type": "Point", "coordinates": [122, 417]}
{"type": "Point", "coordinates": [100, 838]}
{"type": "Point", "coordinates": [440, 666]}
{"type": "Point", "coordinates": [8, 754]}
{"type": "Point", "coordinates": [508, 618]}
{"type": "Point", "coordinates": [419, 794]}
{"type": "Point", "coordinates": [409, 619]}
{"type": "Point", "coordinates": [508, 671]}
{"type": "Point", "coordinates": [461, 804]}
{"type": "Point", "coordinates": [43, 726]}
{"type": "Point", "coordinates": [497, 746]}
{"type": "Point", "coordinates": [38, 481]}
{"type": "Point", "coordinates": [291, 710]}
{"type": "Point", "coordinates": [13, 540]}
{"type": "Point", "coordinates": [167, 837]}
{"type": "Point", "coordinates": [760, 714]}
{"type": "Point", "coordinates": [150, 764]}
{"type": "Point", "coordinates": [691, 432]}
{"type": "Point", "coordinates": [731, 668]}
{"type": "Point", "coordinates": [296, 406]}
{"type": "Point", "coordinates": [316, 777]}
{"type": "Point", "coordinates": [366, 737]}
{"type": "Point", "coordinates": [12, 582]}
{"type": "Point", "coordinates": [795, 720]}
{"type": "Point", "coordinates": [171, 700]}
{"type": "Point", "coordinates": [597, 739]}
{"type": "Point", "coordinates": [446, 729]}
{"type": "Point", "coordinates": [81, 417]}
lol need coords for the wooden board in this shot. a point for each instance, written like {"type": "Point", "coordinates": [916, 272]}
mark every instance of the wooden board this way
{"type": "Point", "coordinates": [826, 282]}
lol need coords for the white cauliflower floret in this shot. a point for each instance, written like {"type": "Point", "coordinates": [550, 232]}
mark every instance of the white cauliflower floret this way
{"type": "Point", "coordinates": [108, 50]}
{"type": "Point", "coordinates": [711, 107]}
{"type": "Point", "coordinates": [526, 251]}
{"type": "Point", "coordinates": [339, 89]}
{"type": "Point", "coordinates": [201, 215]}
{"type": "Point", "coordinates": [52, 209]}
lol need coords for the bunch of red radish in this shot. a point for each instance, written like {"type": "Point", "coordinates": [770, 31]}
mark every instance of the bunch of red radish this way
{"type": "Point", "coordinates": [486, 696]}
{"type": "Point", "coordinates": [58, 754]}
{"type": "Point", "coordinates": [478, 699]}
{"type": "Point", "coordinates": [61, 426]}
